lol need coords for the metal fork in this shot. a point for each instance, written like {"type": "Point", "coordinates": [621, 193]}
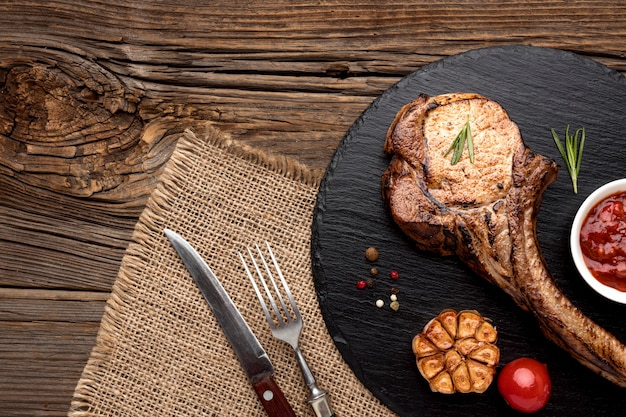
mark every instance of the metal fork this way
{"type": "Point", "coordinates": [286, 321]}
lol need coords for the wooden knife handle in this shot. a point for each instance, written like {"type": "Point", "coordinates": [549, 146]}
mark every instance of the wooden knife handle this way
{"type": "Point", "coordinates": [272, 398]}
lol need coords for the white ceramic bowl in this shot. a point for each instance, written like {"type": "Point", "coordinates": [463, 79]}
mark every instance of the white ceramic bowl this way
{"type": "Point", "coordinates": [593, 199]}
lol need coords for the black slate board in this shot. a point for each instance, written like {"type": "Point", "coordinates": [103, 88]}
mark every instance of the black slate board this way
{"type": "Point", "coordinates": [541, 89]}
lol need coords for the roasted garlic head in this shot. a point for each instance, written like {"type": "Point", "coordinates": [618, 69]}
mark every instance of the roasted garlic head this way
{"type": "Point", "coordinates": [456, 352]}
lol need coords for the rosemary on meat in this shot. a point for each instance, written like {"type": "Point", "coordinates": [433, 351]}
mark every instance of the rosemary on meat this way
{"type": "Point", "coordinates": [572, 152]}
{"type": "Point", "coordinates": [465, 135]}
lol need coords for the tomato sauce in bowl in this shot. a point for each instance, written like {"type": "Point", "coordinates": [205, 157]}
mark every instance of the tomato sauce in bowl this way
{"type": "Point", "coordinates": [603, 241]}
{"type": "Point", "coordinates": [598, 240]}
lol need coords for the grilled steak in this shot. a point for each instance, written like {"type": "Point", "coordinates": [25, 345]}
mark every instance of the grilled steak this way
{"type": "Point", "coordinates": [485, 212]}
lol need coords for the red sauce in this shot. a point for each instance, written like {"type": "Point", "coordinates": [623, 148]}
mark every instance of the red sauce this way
{"type": "Point", "coordinates": [603, 241]}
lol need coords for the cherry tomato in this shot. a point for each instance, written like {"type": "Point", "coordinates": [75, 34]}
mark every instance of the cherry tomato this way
{"type": "Point", "coordinates": [525, 385]}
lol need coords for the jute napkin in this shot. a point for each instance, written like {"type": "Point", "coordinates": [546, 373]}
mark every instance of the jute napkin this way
{"type": "Point", "coordinates": [160, 351]}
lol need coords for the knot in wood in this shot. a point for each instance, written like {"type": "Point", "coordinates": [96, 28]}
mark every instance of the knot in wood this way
{"type": "Point", "coordinates": [68, 125]}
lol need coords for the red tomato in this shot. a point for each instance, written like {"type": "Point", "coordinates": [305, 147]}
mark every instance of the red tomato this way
{"type": "Point", "coordinates": [525, 384]}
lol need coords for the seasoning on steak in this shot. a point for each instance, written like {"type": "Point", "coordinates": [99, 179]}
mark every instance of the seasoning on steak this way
{"type": "Point", "coordinates": [486, 212]}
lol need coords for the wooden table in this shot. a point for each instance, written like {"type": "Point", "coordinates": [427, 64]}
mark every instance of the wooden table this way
{"type": "Point", "coordinates": [93, 96]}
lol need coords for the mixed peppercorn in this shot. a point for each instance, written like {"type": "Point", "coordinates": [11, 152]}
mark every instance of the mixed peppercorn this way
{"type": "Point", "coordinates": [372, 255]}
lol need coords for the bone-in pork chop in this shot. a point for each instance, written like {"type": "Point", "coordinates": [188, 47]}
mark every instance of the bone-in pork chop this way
{"type": "Point", "coordinates": [485, 212]}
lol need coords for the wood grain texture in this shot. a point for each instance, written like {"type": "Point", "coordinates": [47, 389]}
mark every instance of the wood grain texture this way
{"type": "Point", "coordinates": [93, 95]}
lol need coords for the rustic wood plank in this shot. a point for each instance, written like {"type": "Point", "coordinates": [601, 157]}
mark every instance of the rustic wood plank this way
{"type": "Point", "coordinates": [30, 305]}
{"type": "Point", "coordinates": [46, 338]}
{"type": "Point", "coordinates": [93, 95]}
{"type": "Point", "coordinates": [40, 364]}
{"type": "Point", "coordinates": [322, 48]}
{"type": "Point", "coordinates": [49, 240]}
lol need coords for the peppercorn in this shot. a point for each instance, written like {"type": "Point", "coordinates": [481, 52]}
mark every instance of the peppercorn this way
{"type": "Point", "coordinates": [394, 305]}
{"type": "Point", "coordinates": [374, 271]}
{"type": "Point", "coordinates": [371, 254]}
{"type": "Point", "coordinates": [395, 290]}
{"type": "Point", "coordinates": [361, 284]}
{"type": "Point", "coordinates": [370, 283]}
{"type": "Point", "coordinates": [380, 303]}
{"type": "Point", "coordinates": [394, 275]}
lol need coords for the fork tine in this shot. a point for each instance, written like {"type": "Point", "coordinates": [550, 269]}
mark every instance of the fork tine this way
{"type": "Point", "coordinates": [268, 316]}
{"type": "Point", "coordinates": [292, 301]}
{"type": "Point", "coordinates": [281, 317]}
{"type": "Point", "coordinates": [268, 292]}
{"type": "Point", "coordinates": [288, 317]}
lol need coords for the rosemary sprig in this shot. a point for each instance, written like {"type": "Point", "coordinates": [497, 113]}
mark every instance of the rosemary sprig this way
{"type": "Point", "coordinates": [572, 152]}
{"type": "Point", "coordinates": [465, 135]}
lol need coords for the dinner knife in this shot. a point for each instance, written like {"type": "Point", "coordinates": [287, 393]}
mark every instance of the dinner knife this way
{"type": "Point", "coordinates": [253, 358]}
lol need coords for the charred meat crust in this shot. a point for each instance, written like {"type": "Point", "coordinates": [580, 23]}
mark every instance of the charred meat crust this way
{"type": "Point", "coordinates": [495, 235]}
{"type": "Point", "coordinates": [426, 216]}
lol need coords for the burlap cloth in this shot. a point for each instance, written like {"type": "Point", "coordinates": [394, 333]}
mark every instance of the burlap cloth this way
{"type": "Point", "coordinates": [160, 351]}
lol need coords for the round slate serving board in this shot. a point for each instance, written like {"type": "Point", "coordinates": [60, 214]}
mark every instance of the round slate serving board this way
{"type": "Point", "coordinates": [541, 89]}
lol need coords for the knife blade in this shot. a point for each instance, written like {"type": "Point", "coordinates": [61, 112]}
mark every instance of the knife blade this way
{"type": "Point", "coordinates": [252, 357]}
